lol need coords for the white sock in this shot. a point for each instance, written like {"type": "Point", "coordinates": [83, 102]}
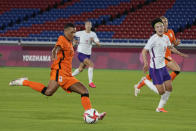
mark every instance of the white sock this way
{"type": "Point", "coordinates": [164, 99]}
{"type": "Point", "coordinates": [90, 74]}
{"type": "Point", "coordinates": [75, 72]}
{"type": "Point", "coordinates": [151, 86]}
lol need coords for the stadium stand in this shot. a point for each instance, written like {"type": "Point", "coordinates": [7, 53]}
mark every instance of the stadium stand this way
{"type": "Point", "coordinates": [12, 12]}
{"type": "Point", "coordinates": [182, 17]}
{"type": "Point", "coordinates": [115, 19]}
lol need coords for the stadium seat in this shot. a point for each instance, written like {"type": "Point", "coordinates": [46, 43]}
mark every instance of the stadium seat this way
{"type": "Point", "coordinates": [114, 18]}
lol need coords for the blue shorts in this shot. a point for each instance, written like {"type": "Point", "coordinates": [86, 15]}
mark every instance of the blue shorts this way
{"type": "Point", "coordinates": [82, 56]}
{"type": "Point", "coordinates": [159, 75]}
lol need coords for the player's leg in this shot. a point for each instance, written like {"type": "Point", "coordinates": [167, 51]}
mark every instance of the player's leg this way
{"type": "Point", "coordinates": [158, 88]}
{"type": "Point", "coordinates": [140, 84]}
{"type": "Point", "coordinates": [48, 91]}
{"type": "Point", "coordinates": [81, 58]}
{"type": "Point", "coordinates": [25, 82]}
{"type": "Point", "coordinates": [157, 78]}
{"type": "Point", "coordinates": [71, 84]}
{"type": "Point", "coordinates": [168, 85]}
{"type": "Point", "coordinates": [168, 88]}
{"type": "Point", "coordinates": [90, 65]}
{"type": "Point", "coordinates": [79, 69]}
{"type": "Point", "coordinates": [174, 67]}
{"type": "Point", "coordinates": [76, 72]}
{"type": "Point", "coordinates": [161, 90]}
{"type": "Point", "coordinates": [158, 85]}
{"type": "Point", "coordinates": [165, 96]}
{"type": "Point", "coordinates": [51, 89]}
{"type": "Point", "coordinates": [83, 91]}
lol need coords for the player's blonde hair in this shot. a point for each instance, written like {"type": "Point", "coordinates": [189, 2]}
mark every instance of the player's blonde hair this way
{"type": "Point", "coordinates": [163, 17]}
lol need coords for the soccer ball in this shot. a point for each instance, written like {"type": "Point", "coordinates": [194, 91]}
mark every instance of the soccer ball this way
{"type": "Point", "coordinates": [91, 116]}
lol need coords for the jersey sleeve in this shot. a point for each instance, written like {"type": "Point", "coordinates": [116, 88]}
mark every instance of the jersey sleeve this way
{"type": "Point", "coordinates": [148, 46]}
{"type": "Point", "coordinates": [174, 37]}
{"type": "Point", "coordinates": [168, 41]}
{"type": "Point", "coordinates": [77, 34]}
{"type": "Point", "coordinates": [95, 37]}
{"type": "Point", "coordinates": [60, 42]}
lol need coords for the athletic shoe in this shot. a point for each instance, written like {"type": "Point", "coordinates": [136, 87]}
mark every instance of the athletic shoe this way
{"type": "Point", "coordinates": [137, 91]}
{"type": "Point", "coordinates": [92, 85]}
{"type": "Point", "coordinates": [18, 82]}
{"type": "Point", "coordinates": [161, 110]}
{"type": "Point", "coordinates": [102, 115]}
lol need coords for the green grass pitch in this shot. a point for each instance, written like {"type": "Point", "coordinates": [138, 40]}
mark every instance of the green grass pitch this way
{"type": "Point", "coordinates": [23, 109]}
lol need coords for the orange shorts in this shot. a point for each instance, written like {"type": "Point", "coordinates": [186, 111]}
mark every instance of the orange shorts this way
{"type": "Point", "coordinates": [63, 80]}
{"type": "Point", "coordinates": [168, 59]}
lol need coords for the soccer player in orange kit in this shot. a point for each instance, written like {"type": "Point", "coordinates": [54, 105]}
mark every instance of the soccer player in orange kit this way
{"type": "Point", "coordinates": [61, 71]}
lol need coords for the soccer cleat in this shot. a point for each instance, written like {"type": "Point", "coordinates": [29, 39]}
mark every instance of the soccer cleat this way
{"type": "Point", "coordinates": [137, 91]}
{"type": "Point", "coordinates": [18, 82]}
{"type": "Point", "coordinates": [92, 85]}
{"type": "Point", "coordinates": [161, 110]}
{"type": "Point", "coordinates": [102, 115]}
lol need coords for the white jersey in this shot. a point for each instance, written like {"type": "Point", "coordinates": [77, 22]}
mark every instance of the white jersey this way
{"type": "Point", "coordinates": [157, 47]}
{"type": "Point", "coordinates": [85, 43]}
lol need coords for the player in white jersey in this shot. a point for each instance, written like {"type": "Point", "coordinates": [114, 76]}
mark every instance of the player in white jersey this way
{"type": "Point", "coordinates": [157, 45]}
{"type": "Point", "coordinates": [170, 63]}
{"type": "Point", "coordinates": [86, 40]}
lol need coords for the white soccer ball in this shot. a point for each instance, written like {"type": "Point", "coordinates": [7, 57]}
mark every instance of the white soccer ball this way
{"type": "Point", "coordinates": [91, 116]}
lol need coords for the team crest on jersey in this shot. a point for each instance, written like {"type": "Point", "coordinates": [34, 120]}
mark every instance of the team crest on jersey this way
{"type": "Point", "coordinates": [60, 79]}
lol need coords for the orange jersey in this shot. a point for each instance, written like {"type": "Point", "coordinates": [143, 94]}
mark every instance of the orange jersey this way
{"type": "Point", "coordinates": [172, 38]}
{"type": "Point", "coordinates": [64, 56]}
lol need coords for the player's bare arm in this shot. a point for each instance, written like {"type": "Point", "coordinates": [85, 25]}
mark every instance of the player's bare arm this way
{"type": "Point", "coordinates": [144, 54]}
{"type": "Point", "coordinates": [75, 42]}
{"type": "Point", "coordinates": [174, 50]}
{"type": "Point", "coordinates": [55, 50]}
{"type": "Point", "coordinates": [97, 43]}
{"type": "Point", "coordinates": [177, 42]}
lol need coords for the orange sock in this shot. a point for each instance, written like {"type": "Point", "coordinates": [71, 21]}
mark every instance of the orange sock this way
{"type": "Point", "coordinates": [86, 102]}
{"type": "Point", "coordinates": [142, 82]}
{"type": "Point", "coordinates": [174, 74]}
{"type": "Point", "coordinates": [148, 77]}
{"type": "Point", "coordinates": [34, 85]}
